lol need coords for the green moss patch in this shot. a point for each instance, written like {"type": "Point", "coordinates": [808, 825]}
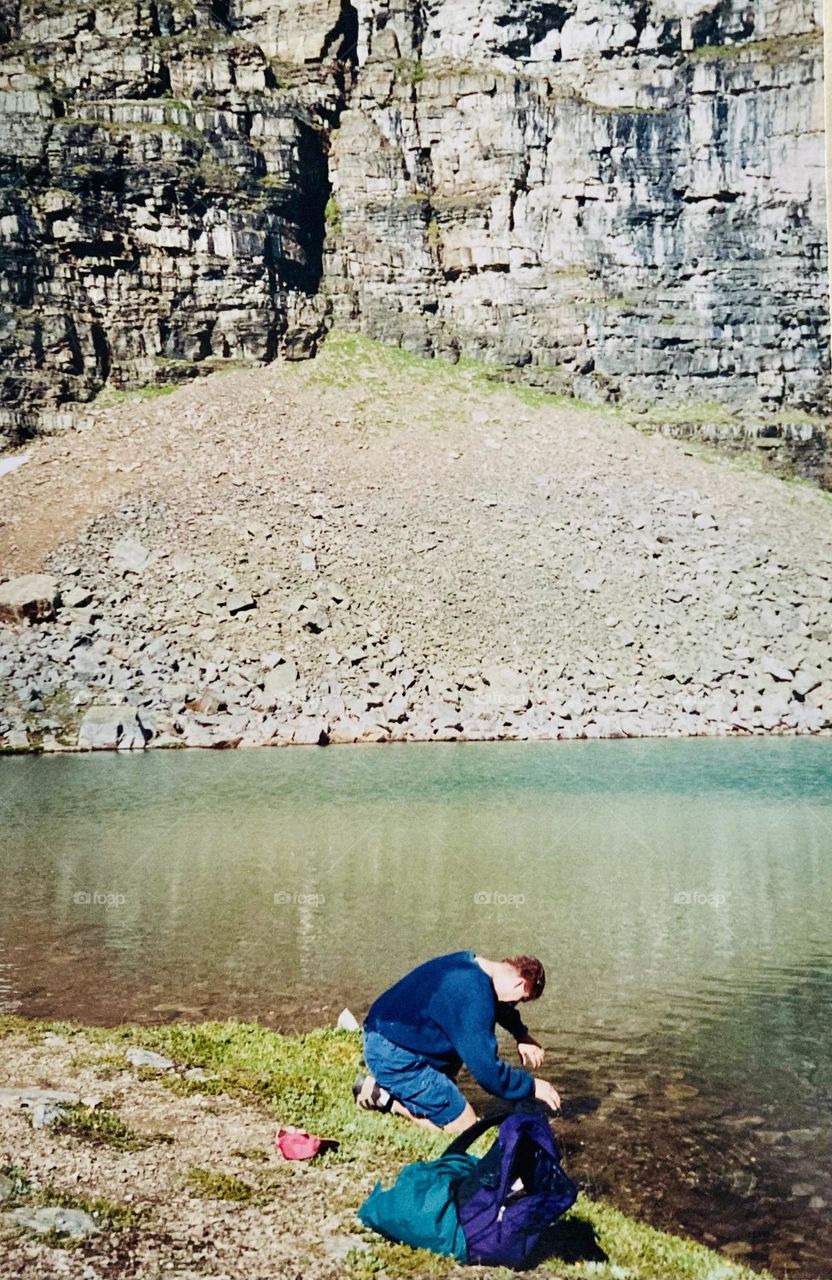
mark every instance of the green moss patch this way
{"type": "Point", "coordinates": [108, 397]}
{"type": "Point", "coordinates": [211, 1185]}
{"type": "Point", "coordinates": [103, 1127]}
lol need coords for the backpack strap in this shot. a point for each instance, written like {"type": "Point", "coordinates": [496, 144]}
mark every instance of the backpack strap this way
{"type": "Point", "coordinates": [469, 1136]}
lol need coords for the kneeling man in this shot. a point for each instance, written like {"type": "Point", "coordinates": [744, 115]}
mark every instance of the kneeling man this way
{"type": "Point", "coordinates": [440, 1016]}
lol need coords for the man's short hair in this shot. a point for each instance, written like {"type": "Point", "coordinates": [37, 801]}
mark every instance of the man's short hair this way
{"type": "Point", "coordinates": [531, 970]}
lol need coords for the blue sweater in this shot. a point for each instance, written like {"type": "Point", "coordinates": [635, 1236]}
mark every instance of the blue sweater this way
{"type": "Point", "coordinates": [445, 1011]}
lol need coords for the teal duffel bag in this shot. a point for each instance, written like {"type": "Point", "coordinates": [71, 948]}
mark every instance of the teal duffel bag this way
{"type": "Point", "coordinates": [420, 1208]}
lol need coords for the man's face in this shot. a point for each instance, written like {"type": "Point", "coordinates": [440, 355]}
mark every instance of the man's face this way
{"type": "Point", "coordinates": [510, 986]}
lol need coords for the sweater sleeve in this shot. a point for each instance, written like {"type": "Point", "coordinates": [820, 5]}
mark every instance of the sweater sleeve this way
{"type": "Point", "coordinates": [508, 1016]}
{"type": "Point", "coordinates": [474, 1040]}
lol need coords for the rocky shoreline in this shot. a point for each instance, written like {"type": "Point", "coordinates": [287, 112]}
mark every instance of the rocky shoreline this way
{"type": "Point", "coordinates": [138, 1152]}
{"type": "Point", "coordinates": [371, 547]}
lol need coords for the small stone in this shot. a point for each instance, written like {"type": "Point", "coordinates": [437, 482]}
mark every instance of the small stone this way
{"type": "Point", "coordinates": [806, 680]}
{"type": "Point", "coordinates": [76, 598]}
{"type": "Point", "coordinates": [309, 562]}
{"type": "Point", "coordinates": [506, 687]}
{"type": "Point", "coordinates": [46, 1114]}
{"type": "Point", "coordinates": [280, 683]}
{"type": "Point", "coordinates": [206, 703]}
{"type": "Point", "coordinates": [337, 1247]}
{"type": "Point", "coordinates": [147, 1058]}
{"type": "Point", "coordinates": [29, 1098]}
{"type": "Point", "coordinates": [315, 619]}
{"type": "Point", "coordinates": [240, 602]}
{"type": "Point", "coordinates": [774, 703]}
{"type": "Point", "coordinates": [129, 554]}
{"type": "Point", "coordinates": [777, 670]}
{"type": "Point", "coordinates": [680, 1092]}
{"type": "Point", "coordinates": [65, 1222]}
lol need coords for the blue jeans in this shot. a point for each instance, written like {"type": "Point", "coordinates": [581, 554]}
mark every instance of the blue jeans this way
{"type": "Point", "coordinates": [423, 1089]}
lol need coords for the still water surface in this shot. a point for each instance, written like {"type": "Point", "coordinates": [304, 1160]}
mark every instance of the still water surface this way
{"type": "Point", "coordinates": [679, 894]}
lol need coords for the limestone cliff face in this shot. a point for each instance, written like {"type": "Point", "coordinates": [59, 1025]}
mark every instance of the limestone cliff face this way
{"type": "Point", "coordinates": [616, 199]}
{"type": "Point", "coordinates": [620, 199]}
{"type": "Point", "coordinates": [163, 187]}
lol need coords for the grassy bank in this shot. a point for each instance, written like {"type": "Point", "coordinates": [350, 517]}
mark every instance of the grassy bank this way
{"type": "Point", "coordinates": [306, 1081]}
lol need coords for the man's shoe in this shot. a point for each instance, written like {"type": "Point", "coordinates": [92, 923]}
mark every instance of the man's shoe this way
{"type": "Point", "coordinates": [370, 1096]}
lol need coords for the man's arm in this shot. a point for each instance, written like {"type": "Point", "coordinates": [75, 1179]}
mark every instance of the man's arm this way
{"type": "Point", "coordinates": [476, 1043]}
{"type": "Point", "coordinates": [530, 1050]}
{"type": "Point", "coordinates": [508, 1016]}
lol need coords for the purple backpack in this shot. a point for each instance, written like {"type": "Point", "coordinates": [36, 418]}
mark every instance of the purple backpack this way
{"type": "Point", "coordinates": [503, 1222]}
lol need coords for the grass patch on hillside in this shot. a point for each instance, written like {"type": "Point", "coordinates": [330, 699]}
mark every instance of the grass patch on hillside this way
{"type": "Point", "coordinates": [108, 397]}
{"type": "Point", "coordinates": [696, 413]}
{"type": "Point", "coordinates": [774, 48]}
{"type": "Point", "coordinates": [378, 373]}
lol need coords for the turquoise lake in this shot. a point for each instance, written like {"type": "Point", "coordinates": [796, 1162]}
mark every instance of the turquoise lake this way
{"type": "Point", "coordinates": [679, 894]}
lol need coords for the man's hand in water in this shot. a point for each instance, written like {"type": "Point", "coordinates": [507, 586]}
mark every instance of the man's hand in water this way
{"type": "Point", "coordinates": [547, 1093]}
{"type": "Point", "coordinates": [531, 1053]}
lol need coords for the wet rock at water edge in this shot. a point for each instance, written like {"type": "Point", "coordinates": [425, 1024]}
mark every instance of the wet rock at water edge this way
{"type": "Point", "coordinates": [310, 731]}
{"type": "Point", "coordinates": [120, 728]}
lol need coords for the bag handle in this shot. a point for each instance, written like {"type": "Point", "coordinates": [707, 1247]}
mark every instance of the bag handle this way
{"type": "Point", "coordinates": [468, 1137]}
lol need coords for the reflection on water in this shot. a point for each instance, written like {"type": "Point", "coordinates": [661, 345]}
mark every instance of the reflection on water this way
{"type": "Point", "coordinates": [679, 894]}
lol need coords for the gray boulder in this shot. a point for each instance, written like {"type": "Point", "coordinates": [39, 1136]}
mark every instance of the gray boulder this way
{"type": "Point", "coordinates": [31, 598]}
{"type": "Point", "coordinates": [311, 731]}
{"type": "Point", "coordinates": [506, 687]}
{"type": "Point", "coordinates": [806, 681]}
{"type": "Point", "coordinates": [280, 683]}
{"type": "Point", "coordinates": [147, 1058]}
{"type": "Point", "coordinates": [120, 728]}
{"type": "Point", "coordinates": [129, 554]}
{"type": "Point", "coordinates": [27, 1099]}
{"type": "Point", "coordinates": [46, 1114]}
{"type": "Point", "coordinates": [66, 1222]}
